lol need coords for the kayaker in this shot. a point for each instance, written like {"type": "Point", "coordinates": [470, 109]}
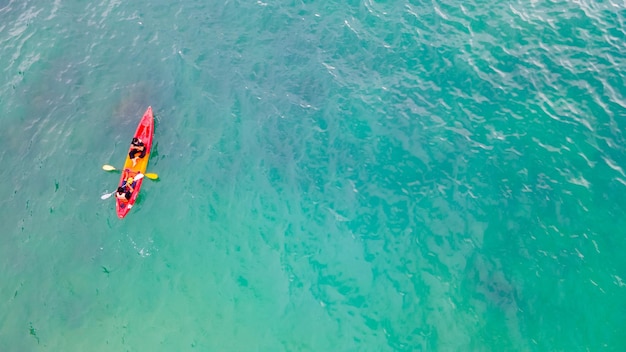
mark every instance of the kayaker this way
{"type": "Point", "coordinates": [125, 190]}
{"type": "Point", "coordinates": [136, 147]}
{"type": "Point", "coordinates": [123, 194]}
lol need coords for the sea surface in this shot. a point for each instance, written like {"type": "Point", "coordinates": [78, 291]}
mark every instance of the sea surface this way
{"type": "Point", "coordinates": [333, 175]}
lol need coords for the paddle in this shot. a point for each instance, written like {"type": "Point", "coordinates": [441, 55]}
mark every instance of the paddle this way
{"type": "Point", "coordinates": [149, 175]}
{"type": "Point", "coordinates": [108, 195]}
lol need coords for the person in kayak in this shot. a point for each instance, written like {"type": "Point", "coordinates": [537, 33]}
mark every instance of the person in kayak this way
{"type": "Point", "coordinates": [123, 194]}
{"type": "Point", "coordinates": [125, 191]}
{"type": "Point", "coordinates": [136, 147]}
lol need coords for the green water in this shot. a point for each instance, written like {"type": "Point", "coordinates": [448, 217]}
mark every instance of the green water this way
{"type": "Point", "coordinates": [356, 176]}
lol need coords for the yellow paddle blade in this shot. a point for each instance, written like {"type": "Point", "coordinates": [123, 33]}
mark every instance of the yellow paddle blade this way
{"type": "Point", "coordinates": [108, 168]}
{"type": "Point", "coordinates": [152, 176]}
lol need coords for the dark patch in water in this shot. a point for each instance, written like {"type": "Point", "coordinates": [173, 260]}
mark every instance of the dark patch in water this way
{"type": "Point", "coordinates": [491, 283]}
{"type": "Point", "coordinates": [33, 332]}
{"type": "Point", "coordinates": [242, 281]}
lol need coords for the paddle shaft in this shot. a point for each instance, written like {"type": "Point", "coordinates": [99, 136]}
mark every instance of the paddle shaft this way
{"type": "Point", "coordinates": [149, 175]}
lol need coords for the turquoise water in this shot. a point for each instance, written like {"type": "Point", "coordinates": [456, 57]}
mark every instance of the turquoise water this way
{"type": "Point", "coordinates": [357, 176]}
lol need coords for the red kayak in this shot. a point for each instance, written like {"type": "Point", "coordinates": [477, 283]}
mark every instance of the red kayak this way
{"type": "Point", "coordinates": [140, 149]}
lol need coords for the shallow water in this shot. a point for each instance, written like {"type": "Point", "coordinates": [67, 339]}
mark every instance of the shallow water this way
{"type": "Point", "coordinates": [366, 176]}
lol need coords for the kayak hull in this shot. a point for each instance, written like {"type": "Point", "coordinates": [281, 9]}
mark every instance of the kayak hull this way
{"type": "Point", "coordinates": [145, 132]}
